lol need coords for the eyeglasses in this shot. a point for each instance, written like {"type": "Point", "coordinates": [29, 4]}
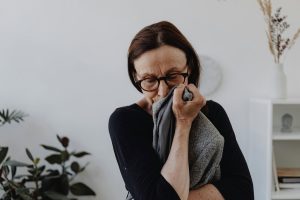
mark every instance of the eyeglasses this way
{"type": "Point", "coordinates": [152, 83]}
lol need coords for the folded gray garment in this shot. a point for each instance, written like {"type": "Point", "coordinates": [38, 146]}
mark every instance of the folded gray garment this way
{"type": "Point", "coordinates": [205, 142]}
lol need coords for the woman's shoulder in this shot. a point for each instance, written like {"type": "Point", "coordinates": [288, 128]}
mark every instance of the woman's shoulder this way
{"type": "Point", "coordinates": [212, 109]}
{"type": "Point", "coordinates": [128, 122]}
{"type": "Point", "coordinates": [131, 115]}
{"type": "Point", "coordinates": [128, 112]}
{"type": "Point", "coordinates": [216, 114]}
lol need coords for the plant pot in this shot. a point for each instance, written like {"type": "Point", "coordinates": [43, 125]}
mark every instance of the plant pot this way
{"type": "Point", "coordinates": [278, 82]}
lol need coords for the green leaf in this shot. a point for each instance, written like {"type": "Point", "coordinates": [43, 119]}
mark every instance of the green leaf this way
{"type": "Point", "coordinates": [65, 156]}
{"type": "Point", "coordinates": [21, 176]}
{"type": "Point", "coordinates": [24, 193]}
{"type": "Point", "coordinates": [59, 139]}
{"type": "Point", "coordinates": [80, 189]}
{"type": "Point", "coordinates": [42, 168]}
{"type": "Point", "coordinates": [58, 183]}
{"type": "Point", "coordinates": [54, 159]}
{"type": "Point", "coordinates": [51, 148]}
{"type": "Point", "coordinates": [5, 170]}
{"type": "Point", "coordinates": [81, 154]}
{"type": "Point", "coordinates": [55, 196]}
{"type": "Point", "coordinates": [31, 171]}
{"type": "Point", "coordinates": [16, 163]}
{"type": "Point", "coordinates": [83, 168]}
{"type": "Point", "coordinates": [6, 116]}
{"type": "Point", "coordinates": [3, 153]}
{"type": "Point", "coordinates": [75, 167]}
{"type": "Point", "coordinates": [13, 171]}
{"type": "Point", "coordinates": [26, 197]}
{"type": "Point", "coordinates": [29, 155]}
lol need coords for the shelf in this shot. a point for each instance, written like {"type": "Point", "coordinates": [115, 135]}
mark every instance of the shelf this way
{"type": "Point", "coordinates": [277, 101]}
{"type": "Point", "coordinates": [286, 136]}
{"type": "Point", "coordinates": [286, 194]}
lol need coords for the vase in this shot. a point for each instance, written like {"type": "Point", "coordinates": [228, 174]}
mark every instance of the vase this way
{"type": "Point", "coordinates": [278, 82]}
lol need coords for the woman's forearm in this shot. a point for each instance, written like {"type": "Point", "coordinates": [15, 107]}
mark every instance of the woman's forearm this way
{"type": "Point", "coordinates": [176, 168]}
{"type": "Point", "coordinates": [206, 192]}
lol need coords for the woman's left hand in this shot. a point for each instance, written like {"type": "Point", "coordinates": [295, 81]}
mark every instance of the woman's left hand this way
{"type": "Point", "coordinates": [186, 111]}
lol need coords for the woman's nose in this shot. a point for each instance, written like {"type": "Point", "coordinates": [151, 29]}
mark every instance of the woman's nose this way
{"type": "Point", "coordinates": [163, 89]}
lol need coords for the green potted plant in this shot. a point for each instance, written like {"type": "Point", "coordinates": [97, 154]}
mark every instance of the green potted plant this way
{"type": "Point", "coordinates": [55, 181]}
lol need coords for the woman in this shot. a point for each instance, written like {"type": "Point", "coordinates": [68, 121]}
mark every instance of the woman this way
{"type": "Point", "coordinates": [159, 58]}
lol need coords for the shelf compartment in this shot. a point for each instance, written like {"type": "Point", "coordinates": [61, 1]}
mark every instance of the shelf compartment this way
{"type": "Point", "coordinates": [286, 194]}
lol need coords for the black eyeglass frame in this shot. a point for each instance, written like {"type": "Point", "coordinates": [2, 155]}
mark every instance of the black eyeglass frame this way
{"type": "Point", "coordinates": [164, 78]}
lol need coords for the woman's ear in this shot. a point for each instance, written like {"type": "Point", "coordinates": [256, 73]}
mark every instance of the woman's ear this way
{"type": "Point", "coordinates": [134, 75]}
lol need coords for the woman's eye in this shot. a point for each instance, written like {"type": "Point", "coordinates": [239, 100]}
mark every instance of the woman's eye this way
{"type": "Point", "coordinates": [149, 80]}
{"type": "Point", "coordinates": [172, 76]}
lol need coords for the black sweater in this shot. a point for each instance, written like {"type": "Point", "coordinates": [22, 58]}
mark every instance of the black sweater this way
{"type": "Point", "coordinates": [131, 129]}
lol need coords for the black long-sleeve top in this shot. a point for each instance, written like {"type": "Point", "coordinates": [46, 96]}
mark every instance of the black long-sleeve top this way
{"type": "Point", "coordinates": [131, 129]}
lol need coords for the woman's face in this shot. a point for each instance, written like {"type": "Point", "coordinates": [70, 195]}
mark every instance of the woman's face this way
{"type": "Point", "coordinates": [159, 62]}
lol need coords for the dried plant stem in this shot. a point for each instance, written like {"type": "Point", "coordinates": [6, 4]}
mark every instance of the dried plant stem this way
{"type": "Point", "coordinates": [297, 34]}
{"type": "Point", "coordinates": [276, 26]}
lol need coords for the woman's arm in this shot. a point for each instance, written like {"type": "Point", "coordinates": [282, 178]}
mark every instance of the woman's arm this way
{"type": "Point", "coordinates": [207, 192]}
{"type": "Point", "coordinates": [131, 135]}
{"type": "Point", "coordinates": [176, 168]}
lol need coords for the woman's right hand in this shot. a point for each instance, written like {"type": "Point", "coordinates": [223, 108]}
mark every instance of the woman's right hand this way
{"type": "Point", "coordinates": [186, 111]}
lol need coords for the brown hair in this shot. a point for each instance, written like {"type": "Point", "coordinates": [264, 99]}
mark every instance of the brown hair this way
{"type": "Point", "coordinates": [155, 36]}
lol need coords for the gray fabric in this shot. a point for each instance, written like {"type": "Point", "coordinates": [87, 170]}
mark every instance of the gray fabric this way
{"type": "Point", "coordinates": [205, 142]}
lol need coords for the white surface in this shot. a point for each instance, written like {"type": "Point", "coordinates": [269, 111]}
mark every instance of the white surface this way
{"type": "Point", "coordinates": [211, 75]}
{"type": "Point", "coordinates": [64, 63]}
{"type": "Point", "coordinates": [260, 148]}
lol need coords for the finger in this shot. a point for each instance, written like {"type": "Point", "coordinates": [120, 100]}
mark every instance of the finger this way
{"type": "Point", "coordinates": [193, 89]}
{"type": "Point", "coordinates": [196, 94]}
{"type": "Point", "coordinates": [177, 96]}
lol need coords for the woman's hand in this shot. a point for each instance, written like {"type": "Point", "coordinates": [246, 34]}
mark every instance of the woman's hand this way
{"type": "Point", "coordinates": [186, 111]}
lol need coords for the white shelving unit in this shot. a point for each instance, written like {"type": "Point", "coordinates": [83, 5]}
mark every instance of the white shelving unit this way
{"type": "Point", "coordinates": [265, 139]}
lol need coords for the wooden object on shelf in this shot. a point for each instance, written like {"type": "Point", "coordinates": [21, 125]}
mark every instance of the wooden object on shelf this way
{"type": "Point", "coordinates": [288, 172]}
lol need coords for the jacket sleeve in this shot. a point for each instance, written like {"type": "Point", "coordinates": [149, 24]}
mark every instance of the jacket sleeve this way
{"type": "Point", "coordinates": [235, 182]}
{"type": "Point", "coordinates": [137, 160]}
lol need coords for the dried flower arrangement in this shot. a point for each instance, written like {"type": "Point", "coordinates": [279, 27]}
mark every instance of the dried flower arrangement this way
{"type": "Point", "coordinates": [277, 25]}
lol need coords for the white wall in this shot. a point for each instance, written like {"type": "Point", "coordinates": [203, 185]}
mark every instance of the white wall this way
{"type": "Point", "coordinates": [64, 63]}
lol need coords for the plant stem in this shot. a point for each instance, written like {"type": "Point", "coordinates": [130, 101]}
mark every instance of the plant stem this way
{"type": "Point", "coordinates": [36, 181]}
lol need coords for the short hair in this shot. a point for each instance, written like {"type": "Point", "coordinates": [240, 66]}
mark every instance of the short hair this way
{"type": "Point", "coordinates": [156, 35]}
